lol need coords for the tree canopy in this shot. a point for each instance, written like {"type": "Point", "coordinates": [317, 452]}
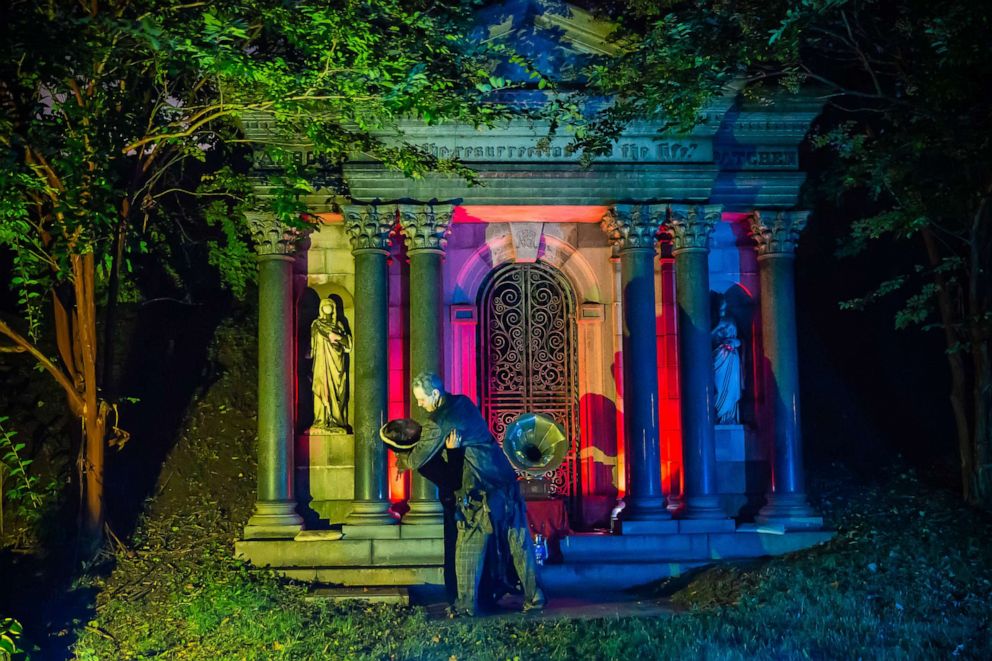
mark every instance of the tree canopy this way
{"type": "Point", "coordinates": [109, 106]}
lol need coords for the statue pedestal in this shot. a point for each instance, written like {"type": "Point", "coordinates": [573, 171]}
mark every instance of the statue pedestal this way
{"type": "Point", "coordinates": [741, 470]}
{"type": "Point", "coordinates": [325, 475]}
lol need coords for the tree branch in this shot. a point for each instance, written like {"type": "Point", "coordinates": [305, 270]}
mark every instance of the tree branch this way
{"type": "Point", "coordinates": [846, 90]}
{"type": "Point", "coordinates": [75, 401]}
{"type": "Point", "coordinates": [861, 55]}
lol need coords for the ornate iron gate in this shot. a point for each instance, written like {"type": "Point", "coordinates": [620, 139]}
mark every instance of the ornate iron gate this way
{"type": "Point", "coordinates": [528, 358]}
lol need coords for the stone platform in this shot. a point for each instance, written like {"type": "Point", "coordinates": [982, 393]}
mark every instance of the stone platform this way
{"type": "Point", "coordinates": [408, 555]}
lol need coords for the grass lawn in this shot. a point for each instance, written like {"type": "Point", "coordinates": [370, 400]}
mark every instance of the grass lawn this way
{"type": "Point", "coordinates": [909, 575]}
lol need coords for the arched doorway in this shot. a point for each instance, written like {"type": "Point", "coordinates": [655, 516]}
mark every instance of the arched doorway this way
{"type": "Point", "coordinates": [528, 357]}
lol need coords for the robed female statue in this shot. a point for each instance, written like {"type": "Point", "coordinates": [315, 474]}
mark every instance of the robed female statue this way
{"type": "Point", "coordinates": [727, 373]}
{"type": "Point", "coordinates": [330, 342]}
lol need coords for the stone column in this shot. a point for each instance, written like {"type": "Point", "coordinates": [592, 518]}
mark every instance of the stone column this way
{"type": "Point", "coordinates": [425, 228]}
{"type": "Point", "coordinates": [633, 229]}
{"type": "Point", "coordinates": [776, 234]}
{"type": "Point", "coordinates": [690, 228]}
{"type": "Point", "coordinates": [369, 227]}
{"type": "Point", "coordinates": [275, 514]}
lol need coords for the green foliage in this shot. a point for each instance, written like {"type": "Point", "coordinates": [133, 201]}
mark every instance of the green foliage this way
{"type": "Point", "coordinates": [30, 280]}
{"type": "Point", "coordinates": [225, 197]}
{"type": "Point", "coordinates": [23, 492]}
{"type": "Point", "coordinates": [116, 113]}
{"type": "Point", "coordinates": [30, 500]}
{"type": "Point", "coordinates": [676, 57]}
{"type": "Point", "coordinates": [232, 257]}
{"type": "Point", "coordinates": [10, 631]}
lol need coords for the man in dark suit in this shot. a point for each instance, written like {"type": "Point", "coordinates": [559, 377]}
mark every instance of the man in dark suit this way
{"type": "Point", "coordinates": [490, 514]}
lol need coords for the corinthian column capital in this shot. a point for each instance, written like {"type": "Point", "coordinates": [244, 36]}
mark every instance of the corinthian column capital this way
{"type": "Point", "coordinates": [369, 226]}
{"type": "Point", "coordinates": [633, 226]}
{"type": "Point", "coordinates": [272, 237]}
{"type": "Point", "coordinates": [426, 226]}
{"type": "Point", "coordinates": [690, 225]}
{"type": "Point", "coordinates": [777, 232]}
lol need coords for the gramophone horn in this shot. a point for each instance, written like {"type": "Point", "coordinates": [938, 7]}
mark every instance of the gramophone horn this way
{"type": "Point", "coordinates": [534, 443]}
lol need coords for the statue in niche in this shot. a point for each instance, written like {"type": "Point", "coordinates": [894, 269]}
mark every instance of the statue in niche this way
{"type": "Point", "coordinates": [727, 371]}
{"type": "Point", "coordinates": [330, 342]}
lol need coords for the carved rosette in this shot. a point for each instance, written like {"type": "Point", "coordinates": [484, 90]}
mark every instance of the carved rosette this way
{"type": "Point", "coordinates": [633, 226]}
{"type": "Point", "coordinates": [426, 226]}
{"type": "Point", "coordinates": [777, 232]}
{"type": "Point", "coordinates": [272, 237]}
{"type": "Point", "coordinates": [690, 226]}
{"type": "Point", "coordinates": [369, 226]}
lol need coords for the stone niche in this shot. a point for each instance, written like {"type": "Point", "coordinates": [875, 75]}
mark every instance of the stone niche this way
{"type": "Point", "coordinates": [742, 462]}
{"type": "Point", "coordinates": [325, 464]}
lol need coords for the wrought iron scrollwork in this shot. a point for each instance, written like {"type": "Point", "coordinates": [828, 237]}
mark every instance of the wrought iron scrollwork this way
{"type": "Point", "coordinates": [529, 357]}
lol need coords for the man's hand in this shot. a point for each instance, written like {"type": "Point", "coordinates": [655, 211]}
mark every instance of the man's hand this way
{"type": "Point", "coordinates": [454, 440]}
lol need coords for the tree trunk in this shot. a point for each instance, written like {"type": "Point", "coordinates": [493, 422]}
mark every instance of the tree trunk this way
{"type": "Point", "coordinates": [981, 492]}
{"type": "Point", "coordinates": [107, 375]}
{"type": "Point", "coordinates": [955, 361]}
{"type": "Point", "coordinates": [980, 332]}
{"type": "Point", "coordinates": [94, 410]}
{"type": "Point", "coordinates": [75, 331]}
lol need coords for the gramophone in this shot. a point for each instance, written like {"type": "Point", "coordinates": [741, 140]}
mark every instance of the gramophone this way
{"type": "Point", "coordinates": [535, 445]}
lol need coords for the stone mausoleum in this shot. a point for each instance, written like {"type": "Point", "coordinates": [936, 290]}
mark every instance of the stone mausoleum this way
{"type": "Point", "coordinates": [607, 296]}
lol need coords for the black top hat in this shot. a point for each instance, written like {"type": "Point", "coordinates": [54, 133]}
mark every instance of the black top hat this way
{"type": "Point", "coordinates": [401, 435]}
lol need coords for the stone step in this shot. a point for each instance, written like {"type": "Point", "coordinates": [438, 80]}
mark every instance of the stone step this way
{"type": "Point", "coordinates": [583, 578]}
{"type": "Point", "coordinates": [746, 542]}
{"type": "Point", "coordinates": [600, 548]}
{"type": "Point", "coordinates": [386, 594]}
{"type": "Point", "coordinates": [591, 561]}
{"type": "Point", "coordinates": [754, 541]}
{"type": "Point", "coordinates": [580, 578]}
{"type": "Point", "coordinates": [341, 553]}
{"type": "Point", "coordinates": [367, 576]}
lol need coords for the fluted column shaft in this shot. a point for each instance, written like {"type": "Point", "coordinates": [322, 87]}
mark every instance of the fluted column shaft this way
{"type": "Point", "coordinates": [425, 229]}
{"type": "Point", "coordinates": [776, 234]}
{"type": "Point", "coordinates": [369, 228]}
{"type": "Point", "coordinates": [690, 228]}
{"type": "Point", "coordinates": [275, 513]}
{"type": "Point", "coordinates": [633, 230]}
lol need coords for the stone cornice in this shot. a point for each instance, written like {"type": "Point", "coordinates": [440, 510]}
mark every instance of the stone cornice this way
{"type": "Point", "coordinates": [691, 225]}
{"type": "Point", "coordinates": [425, 226]}
{"type": "Point", "coordinates": [272, 237]}
{"type": "Point", "coordinates": [633, 226]}
{"type": "Point", "coordinates": [777, 232]}
{"type": "Point", "coordinates": [369, 226]}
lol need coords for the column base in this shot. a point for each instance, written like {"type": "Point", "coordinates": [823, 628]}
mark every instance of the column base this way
{"type": "Point", "coordinates": [274, 519]}
{"type": "Point", "coordinates": [703, 507]}
{"type": "Point", "coordinates": [424, 512]}
{"type": "Point", "coordinates": [645, 509]}
{"type": "Point", "coordinates": [370, 513]}
{"type": "Point", "coordinates": [790, 511]}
